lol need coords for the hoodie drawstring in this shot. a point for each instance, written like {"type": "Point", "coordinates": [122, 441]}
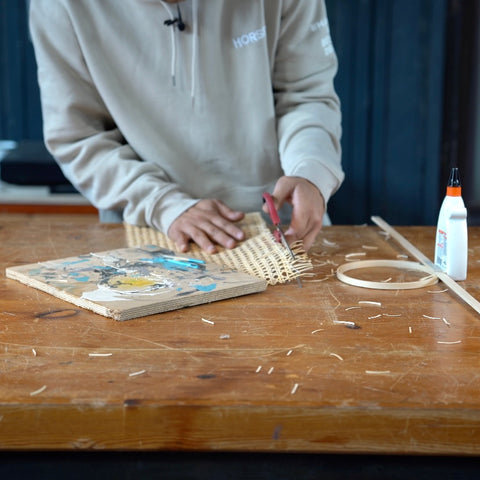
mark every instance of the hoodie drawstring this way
{"type": "Point", "coordinates": [194, 49]}
{"type": "Point", "coordinates": [173, 45]}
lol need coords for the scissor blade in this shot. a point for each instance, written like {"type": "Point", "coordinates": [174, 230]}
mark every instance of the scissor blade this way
{"type": "Point", "coordinates": [285, 243]}
{"type": "Point", "coordinates": [287, 246]}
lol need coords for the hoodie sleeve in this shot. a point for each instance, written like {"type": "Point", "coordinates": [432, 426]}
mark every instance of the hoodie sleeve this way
{"type": "Point", "coordinates": [307, 107]}
{"type": "Point", "coordinates": [82, 136]}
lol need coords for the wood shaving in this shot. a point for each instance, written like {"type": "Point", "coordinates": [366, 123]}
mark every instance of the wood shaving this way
{"type": "Point", "coordinates": [100, 354]}
{"type": "Point", "coordinates": [377, 372]}
{"type": "Point", "coordinates": [289, 353]}
{"type": "Point", "coordinates": [375, 316]}
{"type": "Point", "coordinates": [329, 243]}
{"type": "Point", "coordinates": [351, 308]}
{"type": "Point", "coordinates": [409, 329]}
{"type": "Point", "coordinates": [450, 343]}
{"type": "Point", "coordinates": [336, 356]}
{"type": "Point", "coordinates": [225, 336]}
{"type": "Point", "coordinates": [40, 390]}
{"type": "Point", "coordinates": [318, 280]}
{"type": "Point", "coordinates": [355, 254]}
{"type": "Point", "coordinates": [438, 291]}
{"type": "Point", "coordinates": [369, 302]}
{"type": "Point", "coordinates": [343, 322]}
{"type": "Point", "coordinates": [270, 371]}
{"type": "Point", "coordinates": [402, 255]}
{"type": "Point", "coordinates": [133, 374]}
{"type": "Point", "coordinates": [369, 247]}
{"type": "Point", "coordinates": [208, 321]}
{"type": "Point", "coordinates": [392, 314]}
{"type": "Point", "coordinates": [389, 279]}
{"type": "Point", "coordinates": [443, 319]}
{"type": "Point", "coordinates": [294, 389]}
{"type": "Point", "coordinates": [259, 368]}
{"type": "Point", "coordinates": [34, 352]}
{"type": "Point", "coordinates": [318, 330]}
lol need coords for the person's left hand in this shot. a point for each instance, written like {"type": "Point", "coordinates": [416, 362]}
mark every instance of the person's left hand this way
{"type": "Point", "coordinates": [207, 223]}
{"type": "Point", "coordinates": [308, 208]}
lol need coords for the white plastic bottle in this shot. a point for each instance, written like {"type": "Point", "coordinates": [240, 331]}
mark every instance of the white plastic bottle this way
{"type": "Point", "coordinates": [451, 243]}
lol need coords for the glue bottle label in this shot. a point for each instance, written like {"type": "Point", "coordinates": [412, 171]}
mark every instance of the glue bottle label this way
{"type": "Point", "coordinates": [441, 248]}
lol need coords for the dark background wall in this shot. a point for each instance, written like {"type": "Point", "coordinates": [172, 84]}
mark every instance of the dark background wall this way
{"type": "Point", "coordinates": [390, 82]}
{"type": "Point", "coordinates": [20, 116]}
{"type": "Point", "coordinates": [397, 135]}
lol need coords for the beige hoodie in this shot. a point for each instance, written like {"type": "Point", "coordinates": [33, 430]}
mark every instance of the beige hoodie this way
{"type": "Point", "coordinates": [147, 119]}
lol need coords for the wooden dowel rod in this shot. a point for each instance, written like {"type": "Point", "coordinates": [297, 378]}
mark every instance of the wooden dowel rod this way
{"type": "Point", "coordinates": [415, 252]}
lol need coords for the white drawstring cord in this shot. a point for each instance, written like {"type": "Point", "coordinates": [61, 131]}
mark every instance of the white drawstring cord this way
{"type": "Point", "coordinates": [194, 49]}
{"type": "Point", "coordinates": [173, 44]}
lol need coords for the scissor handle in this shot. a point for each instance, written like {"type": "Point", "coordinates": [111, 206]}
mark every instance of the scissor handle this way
{"type": "Point", "coordinates": [272, 211]}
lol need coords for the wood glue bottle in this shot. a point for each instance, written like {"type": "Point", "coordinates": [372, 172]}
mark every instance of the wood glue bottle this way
{"type": "Point", "coordinates": [451, 244]}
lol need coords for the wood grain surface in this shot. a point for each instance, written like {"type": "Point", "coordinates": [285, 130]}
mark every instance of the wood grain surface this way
{"type": "Point", "coordinates": [323, 368]}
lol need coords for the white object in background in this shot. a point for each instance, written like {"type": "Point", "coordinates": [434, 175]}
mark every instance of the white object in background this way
{"type": "Point", "coordinates": [451, 242]}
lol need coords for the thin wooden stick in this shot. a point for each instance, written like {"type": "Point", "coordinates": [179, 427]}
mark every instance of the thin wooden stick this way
{"type": "Point", "coordinates": [414, 251]}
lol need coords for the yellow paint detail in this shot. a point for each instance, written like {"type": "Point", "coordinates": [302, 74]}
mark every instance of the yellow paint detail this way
{"type": "Point", "coordinates": [126, 284]}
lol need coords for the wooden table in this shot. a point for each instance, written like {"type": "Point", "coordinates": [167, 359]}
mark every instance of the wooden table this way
{"type": "Point", "coordinates": [274, 371]}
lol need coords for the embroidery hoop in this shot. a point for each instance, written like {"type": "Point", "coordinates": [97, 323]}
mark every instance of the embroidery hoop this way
{"type": "Point", "coordinates": [426, 281]}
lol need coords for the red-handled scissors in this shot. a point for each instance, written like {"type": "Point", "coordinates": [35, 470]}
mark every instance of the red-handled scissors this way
{"type": "Point", "coordinates": [278, 232]}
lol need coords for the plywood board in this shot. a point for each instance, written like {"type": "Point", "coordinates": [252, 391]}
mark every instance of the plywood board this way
{"type": "Point", "coordinates": [133, 282]}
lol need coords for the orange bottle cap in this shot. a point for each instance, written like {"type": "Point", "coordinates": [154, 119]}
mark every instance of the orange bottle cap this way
{"type": "Point", "coordinates": [454, 191]}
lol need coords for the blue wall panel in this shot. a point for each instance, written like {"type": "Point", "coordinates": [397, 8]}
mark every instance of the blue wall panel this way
{"type": "Point", "coordinates": [390, 82]}
{"type": "Point", "coordinates": [352, 33]}
{"type": "Point", "coordinates": [20, 114]}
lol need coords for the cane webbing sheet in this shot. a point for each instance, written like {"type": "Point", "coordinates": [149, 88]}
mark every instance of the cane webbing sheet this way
{"type": "Point", "coordinates": [259, 254]}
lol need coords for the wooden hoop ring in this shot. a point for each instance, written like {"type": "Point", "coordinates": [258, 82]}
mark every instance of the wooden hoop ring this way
{"type": "Point", "coordinates": [430, 279]}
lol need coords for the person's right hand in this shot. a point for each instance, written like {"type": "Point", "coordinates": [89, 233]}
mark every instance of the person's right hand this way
{"type": "Point", "coordinates": [208, 223]}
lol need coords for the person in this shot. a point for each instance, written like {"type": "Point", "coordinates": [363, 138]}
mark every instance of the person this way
{"type": "Point", "coordinates": [179, 115]}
